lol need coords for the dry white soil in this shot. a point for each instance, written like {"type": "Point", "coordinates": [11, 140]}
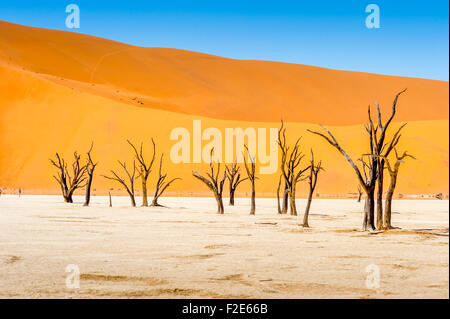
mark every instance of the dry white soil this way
{"type": "Point", "coordinates": [187, 250]}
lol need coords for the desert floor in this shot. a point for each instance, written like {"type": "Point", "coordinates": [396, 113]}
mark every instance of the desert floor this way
{"type": "Point", "coordinates": [189, 251]}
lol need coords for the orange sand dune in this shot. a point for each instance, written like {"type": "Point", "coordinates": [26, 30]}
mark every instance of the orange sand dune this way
{"type": "Point", "coordinates": [59, 94]}
{"type": "Point", "coordinates": [211, 86]}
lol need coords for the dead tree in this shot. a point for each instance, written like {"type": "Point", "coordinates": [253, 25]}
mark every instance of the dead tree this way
{"type": "Point", "coordinates": [234, 179]}
{"type": "Point", "coordinates": [293, 176]}
{"type": "Point", "coordinates": [314, 169]}
{"type": "Point", "coordinates": [213, 182]}
{"type": "Point", "coordinates": [393, 172]}
{"type": "Point", "coordinates": [283, 208]}
{"type": "Point", "coordinates": [161, 184]}
{"type": "Point", "coordinates": [359, 193]}
{"type": "Point", "coordinates": [376, 146]}
{"type": "Point", "coordinates": [131, 177]}
{"type": "Point", "coordinates": [292, 173]}
{"type": "Point", "coordinates": [144, 168]}
{"type": "Point", "coordinates": [250, 168]}
{"type": "Point", "coordinates": [280, 211]}
{"type": "Point", "coordinates": [69, 183]}
{"type": "Point", "coordinates": [90, 167]}
{"type": "Point", "coordinates": [379, 146]}
{"type": "Point", "coordinates": [381, 155]}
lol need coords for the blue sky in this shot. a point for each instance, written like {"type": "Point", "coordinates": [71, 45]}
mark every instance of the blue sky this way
{"type": "Point", "coordinates": [413, 39]}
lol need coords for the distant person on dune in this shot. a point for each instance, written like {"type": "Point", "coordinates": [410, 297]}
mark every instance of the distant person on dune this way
{"type": "Point", "coordinates": [20, 192]}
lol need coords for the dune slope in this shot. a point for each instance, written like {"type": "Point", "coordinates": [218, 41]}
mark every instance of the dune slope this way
{"type": "Point", "coordinates": [61, 90]}
{"type": "Point", "coordinates": [211, 86]}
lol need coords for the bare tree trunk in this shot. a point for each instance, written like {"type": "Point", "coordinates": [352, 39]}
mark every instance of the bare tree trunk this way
{"type": "Point", "coordinates": [285, 199]}
{"type": "Point", "coordinates": [369, 211]}
{"type": "Point", "coordinates": [308, 206]}
{"type": "Point", "coordinates": [251, 176]}
{"type": "Point", "coordinates": [278, 195]}
{"type": "Point", "coordinates": [88, 191]}
{"type": "Point", "coordinates": [65, 192]}
{"type": "Point", "coordinates": [232, 197]}
{"type": "Point", "coordinates": [68, 198]}
{"type": "Point", "coordinates": [90, 167]}
{"type": "Point", "coordinates": [133, 200]}
{"type": "Point", "coordinates": [388, 211]}
{"type": "Point", "coordinates": [253, 199]}
{"type": "Point", "coordinates": [144, 193]}
{"type": "Point", "coordinates": [285, 173]}
{"type": "Point", "coordinates": [110, 199]}
{"type": "Point", "coordinates": [314, 169]}
{"type": "Point", "coordinates": [359, 197]}
{"type": "Point", "coordinates": [220, 209]}
{"type": "Point", "coordinates": [379, 220]}
{"type": "Point", "coordinates": [293, 211]}
{"type": "Point", "coordinates": [388, 203]}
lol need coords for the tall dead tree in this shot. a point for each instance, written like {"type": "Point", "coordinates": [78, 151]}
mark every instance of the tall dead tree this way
{"type": "Point", "coordinates": [234, 179]}
{"type": "Point", "coordinates": [250, 168]}
{"type": "Point", "coordinates": [382, 156]}
{"type": "Point", "coordinates": [380, 153]}
{"type": "Point", "coordinates": [90, 167]}
{"type": "Point", "coordinates": [67, 181]}
{"type": "Point", "coordinates": [161, 183]}
{"type": "Point", "coordinates": [377, 135]}
{"type": "Point", "coordinates": [379, 146]}
{"type": "Point", "coordinates": [292, 172]}
{"type": "Point", "coordinates": [282, 144]}
{"type": "Point", "coordinates": [131, 177]}
{"type": "Point", "coordinates": [293, 175]}
{"type": "Point", "coordinates": [314, 169]}
{"type": "Point", "coordinates": [213, 182]}
{"type": "Point", "coordinates": [144, 168]}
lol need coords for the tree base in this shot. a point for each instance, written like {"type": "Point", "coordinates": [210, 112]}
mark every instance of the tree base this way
{"type": "Point", "coordinates": [369, 229]}
{"type": "Point", "coordinates": [392, 228]}
{"type": "Point", "coordinates": [157, 205]}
